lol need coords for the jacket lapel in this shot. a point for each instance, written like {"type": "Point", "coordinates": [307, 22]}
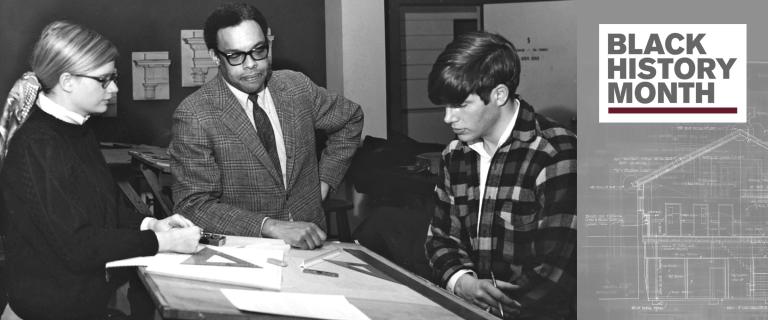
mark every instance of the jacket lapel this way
{"type": "Point", "coordinates": [234, 117]}
{"type": "Point", "coordinates": [286, 115]}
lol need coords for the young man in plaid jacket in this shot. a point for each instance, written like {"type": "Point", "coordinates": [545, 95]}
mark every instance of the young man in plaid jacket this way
{"type": "Point", "coordinates": [506, 201]}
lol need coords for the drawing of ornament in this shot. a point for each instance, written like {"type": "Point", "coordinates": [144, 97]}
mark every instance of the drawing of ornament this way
{"type": "Point", "coordinates": [270, 39]}
{"type": "Point", "coordinates": [150, 75]}
{"type": "Point", "coordinates": [201, 63]}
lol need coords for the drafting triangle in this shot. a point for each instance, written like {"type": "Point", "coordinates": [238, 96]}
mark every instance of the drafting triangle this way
{"type": "Point", "coordinates": [362, 268]}
{"type": "Point", "coordinates": [211, 257]}
{"type": "Point", "coordinates": [219, 259]}
{"type": "Point", "coordinates": [359, 268]}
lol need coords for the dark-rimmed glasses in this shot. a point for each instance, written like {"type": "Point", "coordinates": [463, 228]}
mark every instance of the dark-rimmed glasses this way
{"type": "Point", "coordinates": [105, 80]}
{"type": "Point", "coordinates": [238, 57]}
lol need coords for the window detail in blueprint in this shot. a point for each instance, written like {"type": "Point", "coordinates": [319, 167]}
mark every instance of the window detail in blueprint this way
{"type": "Point", "coordinates": [675, 220]}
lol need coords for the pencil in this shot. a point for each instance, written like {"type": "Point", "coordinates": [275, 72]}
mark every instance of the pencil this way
{"type": "Point", "coordinates": [319, 258]}
{"type": "Point", "coordinates": [493, 278]}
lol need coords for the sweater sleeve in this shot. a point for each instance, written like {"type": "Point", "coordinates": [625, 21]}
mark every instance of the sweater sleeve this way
{"type": "Point", "coordinates": [45, 196]}
{"type": "Point", "coordinates": [127, 216]}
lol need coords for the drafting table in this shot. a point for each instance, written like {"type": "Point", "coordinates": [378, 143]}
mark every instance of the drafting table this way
{"type": "Point", "coordinates": [151, 162]}
{"type": "Point", "coordinates": [404, 296]}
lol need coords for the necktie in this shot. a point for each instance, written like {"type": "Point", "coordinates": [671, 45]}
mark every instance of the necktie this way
{"type": "Point", "coordinates": [264, 130]}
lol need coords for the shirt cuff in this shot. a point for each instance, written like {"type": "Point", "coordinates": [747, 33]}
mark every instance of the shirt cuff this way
{"type": "Point", "coordinates": [145, 223]}
{"type": "Point", "coordinates": [261, 230]}
{"type": "Point", "coordinates": [455, 278]}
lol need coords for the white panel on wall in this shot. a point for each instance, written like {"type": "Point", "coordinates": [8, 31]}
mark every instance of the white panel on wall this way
{"type": "Point", "coordinates": [544, 34]}
{"type": "Point", "coordinates": [416, 94]}
{"type": "Point", "coordinates": [425, 33]}
{"type": "Point", "coordinates": [424, 57]}
{"type": "Point", "coordinates": [355, 58]}
{"type": "Point", "coordinates": [429, 27]}
{"type": "Point", "coordinates": [415, 72]}
{"type": "Point", "coordinates": [422, 42]}
{"type": "Point", "coordinates": [455, 13]}
{"type": "Point", "coordinates": [428, 126]}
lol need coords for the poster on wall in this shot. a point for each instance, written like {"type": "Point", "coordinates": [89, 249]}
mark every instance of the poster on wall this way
{"type": "Point", "coordinates": [150, 75]}
{"type": "Point", "coordinates": [197, 67]}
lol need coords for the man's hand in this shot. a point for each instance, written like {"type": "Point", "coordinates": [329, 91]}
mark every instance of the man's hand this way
{"type": "Point", "coordinates": [181, 240]}
{"type": "Point", "coordinates": [324, 189]}
{"type": "Point", "coordinates": [174, 221]}
{"type": "Point", "coordinates": [482, 293]}
{"type": "Point", "coordinates": [300, 234]}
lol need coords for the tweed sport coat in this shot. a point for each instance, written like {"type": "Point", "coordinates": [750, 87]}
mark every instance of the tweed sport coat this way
{"type": "Point", "coordinates": [225, 182]}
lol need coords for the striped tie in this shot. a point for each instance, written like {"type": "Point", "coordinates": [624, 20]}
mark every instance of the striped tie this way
{"type": "Point", "coordinates": [264, 130]}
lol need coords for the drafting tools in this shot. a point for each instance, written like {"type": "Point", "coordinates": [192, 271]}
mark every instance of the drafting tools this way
{"type": "Point", "coordinates": [493, 278]}
{"type": "Point", "coordinates": [206, 257]}
{"type": "Point", "coordinates": [279, 263]}
{"type": "Point", "coordinates": [321, 272]}
{"type": "Point", "coordinates": [414, 283]}
{"type": "Point", "coordinates": [213, 239]}
{"type": "Point", "coordinates": [319, 258]}
{"type": "Point", "coordinates": [362, 268]}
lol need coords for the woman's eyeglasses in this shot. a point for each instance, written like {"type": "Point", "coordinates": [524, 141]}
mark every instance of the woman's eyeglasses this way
{"type": "Point", "coordinates": [105, 80]}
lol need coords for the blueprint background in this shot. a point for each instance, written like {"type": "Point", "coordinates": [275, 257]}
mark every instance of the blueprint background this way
{"type": "Point", "coordinates": [713, 268]}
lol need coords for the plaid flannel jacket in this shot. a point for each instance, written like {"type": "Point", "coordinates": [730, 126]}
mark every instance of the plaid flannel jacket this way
{"type": "Point", "coordinates": [528, 228]}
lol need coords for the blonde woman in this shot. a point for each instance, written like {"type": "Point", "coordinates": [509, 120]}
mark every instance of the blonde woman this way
{"type": "Point", "coordinates": [65, 216]}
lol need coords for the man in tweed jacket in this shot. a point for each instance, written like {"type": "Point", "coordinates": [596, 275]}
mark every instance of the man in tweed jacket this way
{"type": "Point", "coordinates": [226, 179]}
{"type": "Point", "coordinates": [506, 201]}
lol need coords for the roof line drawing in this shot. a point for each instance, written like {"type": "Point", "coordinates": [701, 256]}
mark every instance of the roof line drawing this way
{"type": "Point", "coordinates": [681, 160]}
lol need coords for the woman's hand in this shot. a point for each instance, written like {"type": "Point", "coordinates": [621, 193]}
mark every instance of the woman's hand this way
{"type": "Point", "coordinates": [174, 221]}
{"type": "Point", "coordinates": [181, 240]}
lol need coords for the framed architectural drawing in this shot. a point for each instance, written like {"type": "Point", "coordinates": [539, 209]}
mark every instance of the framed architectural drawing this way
{"type": "Point", "coordinates": [197, 67]}
{"type": "Point", "coordinates": [150, 75]}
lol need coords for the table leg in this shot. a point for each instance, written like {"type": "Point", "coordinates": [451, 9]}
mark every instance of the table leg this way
{"type": "Point", "coordinates": [153, 180]}
{"type": "Point", "coordinates": [134, 198]}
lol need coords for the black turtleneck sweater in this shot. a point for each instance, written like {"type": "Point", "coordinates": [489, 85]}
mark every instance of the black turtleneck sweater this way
{"type": "Point", "coordinates": [66, 219]}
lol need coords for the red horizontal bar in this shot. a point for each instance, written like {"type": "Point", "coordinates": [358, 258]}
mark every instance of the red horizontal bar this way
{"type": "Point", "coordinates": [671, 110]}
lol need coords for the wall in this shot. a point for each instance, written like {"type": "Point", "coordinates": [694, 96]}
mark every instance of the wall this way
{"type": "Point", "coordinates": [544, 34]}
{"type": "Point", "coordinates": [425, 33]}
{"type": "Point", "coordinates": [148, 25]}
{"type": "Point", "coordinates": [356, 56]}
{"type": "Point", "coordinates": [334, 44]}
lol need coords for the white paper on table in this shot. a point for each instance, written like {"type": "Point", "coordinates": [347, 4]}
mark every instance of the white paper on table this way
{"type": "Point", "coordinates": [318, 306]}
{"type": "Point", "coordinates": [268, 243]}
{"type": "Point", "coordinates": [267, 277]}
{"type": "Point", "coordinates": [176, 258]}
{"type": "Point", "coordinates": [158, 259]}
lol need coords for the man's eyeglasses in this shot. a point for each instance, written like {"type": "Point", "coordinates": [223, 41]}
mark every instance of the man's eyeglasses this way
{"type": "Point", "coordinates": [238, 57]}
{"type": "Point", "coordinates": [105, 80]}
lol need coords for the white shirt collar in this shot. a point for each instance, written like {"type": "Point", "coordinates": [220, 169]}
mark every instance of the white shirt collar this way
{"type": "Point", "coordinates": [477, 145]}
{"type": "Point", "coordinates": [242, 97]}
{"type": "Point", "coordinates": [59, 112]}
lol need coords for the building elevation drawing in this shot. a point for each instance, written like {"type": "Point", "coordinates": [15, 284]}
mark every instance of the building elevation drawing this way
{"type": "Point", "coordinates": [674, 218]}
